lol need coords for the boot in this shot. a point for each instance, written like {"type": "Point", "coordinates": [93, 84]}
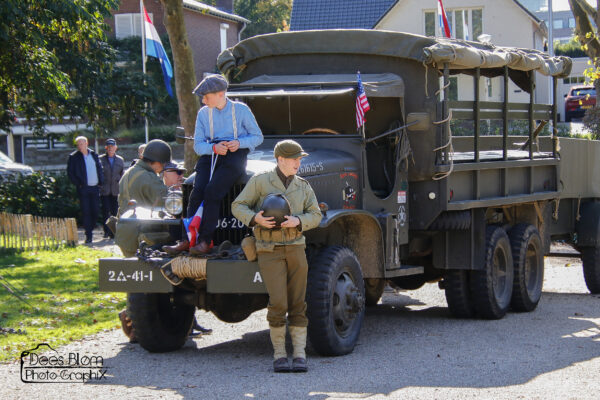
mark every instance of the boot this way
{"type": "Point", "coordinates": [181, 245]}
{"type": "Point", "coordinates": [298, 334]}
{"type": "Point", "coordinates": [201, 249]}
{"type": "Point", "coordinates": [280, 363]}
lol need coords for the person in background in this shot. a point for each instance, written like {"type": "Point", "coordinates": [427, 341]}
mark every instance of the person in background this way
{"type": "Point", "coordinates": [113, 167]}
{"type": "Point", "coordinates": [140, 152]}
{"type": "Point", "coordinates": [85, 172]}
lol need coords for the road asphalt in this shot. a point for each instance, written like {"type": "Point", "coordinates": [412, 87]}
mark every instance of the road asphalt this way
{"type": "Point", "coordinates": [409, 348]}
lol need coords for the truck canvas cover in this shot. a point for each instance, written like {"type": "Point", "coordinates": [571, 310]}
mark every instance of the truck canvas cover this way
{"type": "Point", "coordinates": [460, 56]}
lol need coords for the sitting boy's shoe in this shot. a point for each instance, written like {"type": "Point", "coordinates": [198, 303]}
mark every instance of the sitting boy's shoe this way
{"type": "Point", "coordinates": [281, 365]}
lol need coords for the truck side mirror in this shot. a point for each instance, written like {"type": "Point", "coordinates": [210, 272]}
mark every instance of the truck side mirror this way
{"type": "Point", "coordinates": [423, 121]}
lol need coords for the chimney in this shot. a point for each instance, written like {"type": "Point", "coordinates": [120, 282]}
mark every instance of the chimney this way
{"type": "Point", "coordinates": [225, 5]}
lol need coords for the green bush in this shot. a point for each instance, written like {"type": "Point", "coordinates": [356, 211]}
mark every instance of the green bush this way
{"type": "Point", "coordinates": [138, 135]}
{"type": "Point", "coordinates": [46, 195]}
{"type": "Point", "coordinates": [571, 49]}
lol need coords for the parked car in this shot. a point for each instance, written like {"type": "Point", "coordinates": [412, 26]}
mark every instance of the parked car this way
{"type": "Point", "coordinates": [10, 168]}
{"type": "Point", "coordinates": [579, 99]}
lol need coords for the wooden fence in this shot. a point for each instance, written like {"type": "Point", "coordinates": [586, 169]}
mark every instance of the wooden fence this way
{"type": "Point", "coordinates": [27, 232]}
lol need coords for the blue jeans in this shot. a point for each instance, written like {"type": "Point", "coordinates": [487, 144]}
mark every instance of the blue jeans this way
{"type": "Point", "coordinates": [89, 200]}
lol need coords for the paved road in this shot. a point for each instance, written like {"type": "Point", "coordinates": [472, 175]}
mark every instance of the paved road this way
{"type": "Point", "coordinates": [409, 348]}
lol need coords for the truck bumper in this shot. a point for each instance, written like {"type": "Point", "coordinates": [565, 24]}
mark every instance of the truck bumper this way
{"type": "Point", "coordinates": [133, 275]}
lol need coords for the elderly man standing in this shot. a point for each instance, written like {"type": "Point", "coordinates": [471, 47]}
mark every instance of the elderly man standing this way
{"type": "Point", "coordinates": [113, 167]}
{"type": "Point", "coordinates": [85, 172]}
{"type": "Point", "coordinates": [281, 256]}
{"type": "Point", "coordinates": [226, 131]}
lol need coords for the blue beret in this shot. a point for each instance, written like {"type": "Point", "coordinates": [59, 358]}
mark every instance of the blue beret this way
{"type": "Point", "coordinates": [211, 84]}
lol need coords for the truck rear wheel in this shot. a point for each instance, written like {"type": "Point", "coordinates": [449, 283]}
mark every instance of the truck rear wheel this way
{"type": "Point", "coordinates": [458, 293]}
{"type": "Point", "coordinates": [373, 290]}
{"type": "Point", "coordinates": [491, 288]}
{"type": "Point", "coordinates": [528, 262]}
{"type": "Point", "coordinates": [336, 299]}
{"type": "Point", "coordinates": [160, 325]}
{"type": "Point", "coordinates": [591, 268]}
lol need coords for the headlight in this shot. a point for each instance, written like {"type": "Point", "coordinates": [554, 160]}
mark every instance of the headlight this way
{"type": "Point", "coordinates": [174, 203]}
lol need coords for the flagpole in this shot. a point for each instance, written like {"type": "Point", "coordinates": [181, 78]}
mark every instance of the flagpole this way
{"type": "Point", "coordinates": [143, 29]}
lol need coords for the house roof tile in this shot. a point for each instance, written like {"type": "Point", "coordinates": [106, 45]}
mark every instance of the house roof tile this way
{"type": "Point", "coordinates": [337, 14]}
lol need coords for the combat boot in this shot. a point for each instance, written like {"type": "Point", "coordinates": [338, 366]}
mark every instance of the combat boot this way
{"type": "Point", "coordinates": [280, 363]}
{"type": "Point", "coordinates": [298, 334]}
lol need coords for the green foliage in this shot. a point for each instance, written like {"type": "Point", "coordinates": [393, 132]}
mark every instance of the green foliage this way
{"type": "Point", "coordinates": [46, 195]}
{"type": "Point", "coordinates": [138, 135]}
{"type": "Point", "coordinates": [60, 299]}
{"type": "Point", "coordinates": [45, 46]}
{"type": "Point", "coordinates": [571, 49]}
{"type": "Point", "coordinates": [266, 16]}
{"type": "Point", "coordinates": [591, 121]}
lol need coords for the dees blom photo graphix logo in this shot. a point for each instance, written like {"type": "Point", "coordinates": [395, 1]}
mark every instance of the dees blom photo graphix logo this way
{"type": "Point", "coordinates": [45, 365]}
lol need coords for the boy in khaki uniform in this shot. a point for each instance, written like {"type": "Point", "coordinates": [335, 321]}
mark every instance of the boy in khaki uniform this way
{"type": "Point", "coordinates": [281, 255]}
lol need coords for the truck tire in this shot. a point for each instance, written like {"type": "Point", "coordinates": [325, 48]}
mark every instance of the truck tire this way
{"type": "Point", "coordinates": [452, 221]}
{"type": "Point", "coordinates": [159, 324]}
{"type": "Point", "coordinates": [458, 293]}
{"type": "Point", "coordinates": [591, 268]}
{"type": "Point", "coordinates": [491, 288]}
{"type": "Point", "coordinates": [528, 262]}
{"type": "Point", "coordinates": [373, 290]}
{"type": "Point", "coordinates": [335, 299]}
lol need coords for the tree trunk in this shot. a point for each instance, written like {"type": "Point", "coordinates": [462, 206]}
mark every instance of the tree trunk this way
{"type": "Point", "coordinates": [185, 75]}
{"type": "Point", "coordinates": [587, 36]}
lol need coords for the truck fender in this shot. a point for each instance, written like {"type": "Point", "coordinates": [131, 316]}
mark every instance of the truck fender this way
{"type": "Point", "coordinates": [588, 226]}
{"type": "Point", "coordinates": [360, 231]}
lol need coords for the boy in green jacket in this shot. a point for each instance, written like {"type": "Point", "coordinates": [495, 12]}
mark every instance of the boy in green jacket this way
{"type": "Point", "coordinates": [281, 255]}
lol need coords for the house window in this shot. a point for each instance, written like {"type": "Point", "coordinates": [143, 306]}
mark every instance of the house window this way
{"type": "Point", "coordinates": [453, 88]}
{"type": "Point", "coordinates": [429, 23]}
{"type": "Point", "coordinates": [557, 24]}
{"type": "Point", "coordinates": [571, 22]}
{"type": "Point", "coordinates": [129, 25]}
{"type": "Point", "coordinates": [464, 23]}
{"type": "Point", "coordinates": [224, 28]}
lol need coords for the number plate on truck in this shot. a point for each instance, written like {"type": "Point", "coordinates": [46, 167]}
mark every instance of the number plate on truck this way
{"type": "Point", "coordinates": [131, 275]}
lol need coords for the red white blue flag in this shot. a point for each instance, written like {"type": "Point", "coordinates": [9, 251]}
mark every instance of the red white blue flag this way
{"type": "Point", "coordinates": [192, 225]}
{"type": "Point", "coordinates": [362, 104]}
{"type": "Point", "coordinates": [154, 48]}
{"type": "Point", "coordinates": [443, 18]}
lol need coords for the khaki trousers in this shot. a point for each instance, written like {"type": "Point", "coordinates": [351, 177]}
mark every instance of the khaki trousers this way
{"type": "Point", "coordinates": [284, 271]}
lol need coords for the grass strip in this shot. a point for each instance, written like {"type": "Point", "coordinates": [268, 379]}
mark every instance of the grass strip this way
{"type": "Point", "coordinates": [51, 296]}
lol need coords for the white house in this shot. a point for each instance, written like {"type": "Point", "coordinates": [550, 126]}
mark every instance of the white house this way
{"type": "Point", "coordinates": [507, 22]}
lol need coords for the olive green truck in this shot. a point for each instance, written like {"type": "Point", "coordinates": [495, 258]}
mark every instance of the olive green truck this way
{"type": "Point", "coordinates": [404, 200]}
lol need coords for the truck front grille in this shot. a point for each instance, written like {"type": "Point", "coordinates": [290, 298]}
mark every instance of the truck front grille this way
{"type": "Point", "coordinates": [229, 228]}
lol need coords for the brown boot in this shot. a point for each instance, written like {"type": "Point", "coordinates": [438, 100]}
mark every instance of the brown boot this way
{"type": "Point", "coordinates": [200, 249]}
{"type": "Point", "coordinates": [181, 245]}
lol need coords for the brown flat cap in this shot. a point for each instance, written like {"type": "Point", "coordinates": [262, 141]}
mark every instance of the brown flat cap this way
{"type": "Point", "coordinates": [288, 149]}
{"type": "Point", "coordinates": [211, 84]}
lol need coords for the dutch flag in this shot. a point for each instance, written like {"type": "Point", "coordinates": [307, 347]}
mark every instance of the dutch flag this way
{"type": "Point", "coordinates": [444, 25]}
{"type": "Point", "coordinates": [154, 48]}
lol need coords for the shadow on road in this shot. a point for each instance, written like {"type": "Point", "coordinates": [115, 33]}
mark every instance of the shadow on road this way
{"type": "Point", "coordinates": [403, 343]}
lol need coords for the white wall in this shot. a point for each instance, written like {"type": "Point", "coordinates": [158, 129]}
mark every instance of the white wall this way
{"type": "Point", "coordinates": [507, 23]}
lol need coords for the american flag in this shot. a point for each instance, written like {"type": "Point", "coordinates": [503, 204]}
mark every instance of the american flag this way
{"type": "Point", "coordinates": [362, 104]}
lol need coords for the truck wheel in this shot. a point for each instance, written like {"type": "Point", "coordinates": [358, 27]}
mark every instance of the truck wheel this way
{"type": "Point", "coordinates": [452, 221]}
{"type": "Point", "coordinates": [159, 324]}
{"type": "Point", "coordinates": [491, 288]}
{"type": "Point", "coordinates": [591, 268]}
{"type": "Point", "coordinates": [528, 262]}
{"type": "Point", "coordinates": [336, 299]}
{"type": "Point", "coordinates": [373, 290]}
{"type": "Point", "coordinates": [458, 293]}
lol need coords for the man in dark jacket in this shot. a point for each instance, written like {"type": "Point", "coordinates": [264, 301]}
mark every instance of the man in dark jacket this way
{"type": "Point", "coordinates": [85, 172]}
{"type": "Point", "coordinates": [113, 167]}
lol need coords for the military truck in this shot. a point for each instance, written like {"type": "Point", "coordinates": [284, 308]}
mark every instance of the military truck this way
{"type": "Point", "coordinates": [404, 201]}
